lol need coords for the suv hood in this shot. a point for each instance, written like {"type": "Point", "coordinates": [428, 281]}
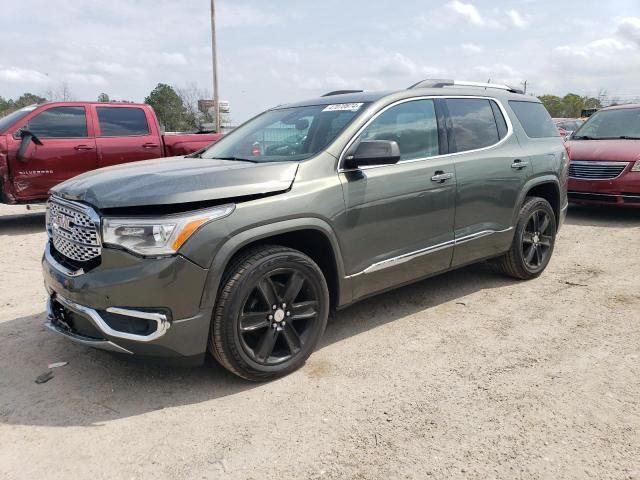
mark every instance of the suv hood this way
{"type": "Point", "coordinates": [176, 180]}
{"type": "Point", "coordinates": [603, 150]}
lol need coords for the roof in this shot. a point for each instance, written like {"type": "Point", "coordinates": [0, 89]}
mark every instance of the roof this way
{"type": "Point", "coordinates": [621, 107]}
{"type": "Point", "coordinates": [370, 97]}
{"type": "Point", "coordinates": [80, 103]}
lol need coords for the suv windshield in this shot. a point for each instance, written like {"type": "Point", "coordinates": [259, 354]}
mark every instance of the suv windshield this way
{"type": "Point", "coordinates": [7, 121]}
{"type": "Point", "coordinates": [286, 134]}
{"type": "Point", "coordinates": [611, 124]}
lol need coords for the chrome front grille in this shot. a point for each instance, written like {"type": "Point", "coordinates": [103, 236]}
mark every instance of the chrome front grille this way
{"type": "Point", "coordinates": [73, 229]}
{"type": "Point", "coordinates": [596, 170]}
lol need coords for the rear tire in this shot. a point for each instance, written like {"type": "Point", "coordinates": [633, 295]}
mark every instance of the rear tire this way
{"type": "Point", "coordinates": [271, 311]}
{"type": "Point", "coordinates": [533, 242]}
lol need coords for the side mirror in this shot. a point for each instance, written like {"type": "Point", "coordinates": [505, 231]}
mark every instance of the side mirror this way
{"type": "Point", "coordinates": [372, 152]}
{"type": "Point", "coordinates": [27, 137]}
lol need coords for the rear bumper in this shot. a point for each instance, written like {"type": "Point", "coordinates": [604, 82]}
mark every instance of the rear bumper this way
{"type": "Point", "coordinates": [622, 191]}
{"type": "Point", "coordinates": [130, 305]}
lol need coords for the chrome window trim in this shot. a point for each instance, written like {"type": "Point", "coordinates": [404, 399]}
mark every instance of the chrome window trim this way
{"type": "Point", "coordinates": [507, 119]}
{"type": "Point", "coordinates": [407, 257]}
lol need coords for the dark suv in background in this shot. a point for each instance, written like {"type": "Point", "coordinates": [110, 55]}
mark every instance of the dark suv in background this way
{"type": "Point", "coordinates": [244, 250]}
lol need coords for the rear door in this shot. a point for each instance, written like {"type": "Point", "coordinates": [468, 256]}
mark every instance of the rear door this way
{"type": "Point", "coordinates": [68, 149]}
{"type": "Point", "coordinates": [490, 171]}
{"type": "Point", "coordinates": [126, 134]}
{"type": "Point", "coordinates": [398, 224]}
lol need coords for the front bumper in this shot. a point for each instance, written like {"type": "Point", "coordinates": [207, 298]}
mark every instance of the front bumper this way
{"type": "Point", "coordinates": [130, 305]}
{"type": "Point", "coordinates": [622, 191]}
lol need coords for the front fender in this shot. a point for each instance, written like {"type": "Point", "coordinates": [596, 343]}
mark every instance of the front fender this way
{"type": "Point", "coordinates": [228, 249]}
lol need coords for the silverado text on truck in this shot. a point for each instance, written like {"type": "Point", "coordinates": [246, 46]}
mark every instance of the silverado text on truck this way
{"type": "Point", "coordinates": [43, 145]}
{"type": "Point", "coordinates": [245, 249]}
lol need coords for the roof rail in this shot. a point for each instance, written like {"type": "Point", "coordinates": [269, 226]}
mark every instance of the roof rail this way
{"type": "Point", "coordinates": [440, 83]}
{"type": "Point", "coordinates": [341, 92]}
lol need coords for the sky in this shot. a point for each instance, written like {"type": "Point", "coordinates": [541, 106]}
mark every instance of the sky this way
{"type": "Point", "coordinates": [287, 50]}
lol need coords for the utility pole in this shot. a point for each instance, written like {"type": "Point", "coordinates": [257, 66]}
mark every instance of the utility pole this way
{"type": "Point", "coordinates": [214, 61]}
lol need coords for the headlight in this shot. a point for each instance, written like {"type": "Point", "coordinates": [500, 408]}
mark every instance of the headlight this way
{"type": "Point", "coordinates": [636, 166]}
{"type": "Point", "coordinates": [161, 235]}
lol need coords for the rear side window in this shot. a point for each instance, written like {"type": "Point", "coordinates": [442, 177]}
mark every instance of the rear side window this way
{"type": "Point", "coordinates": [412, 125]}
{"type": "Point", "coordinates": [473, 123]}
{"type": "Point", "coordinates": [60, 122]}
{"type": "Point", "coordinates": [122, 121]}
{"type": "Point", "coordinates": [535, 119]}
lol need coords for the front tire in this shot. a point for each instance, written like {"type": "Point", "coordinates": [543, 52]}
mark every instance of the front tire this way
{"type": "Point", "coordinates": [533, 242]}
{"type": "Point", "coordinates": [271, 312]}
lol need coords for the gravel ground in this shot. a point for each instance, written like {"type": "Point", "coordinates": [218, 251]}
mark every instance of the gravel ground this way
{"type": "Point", "coordinates": [467, 375]}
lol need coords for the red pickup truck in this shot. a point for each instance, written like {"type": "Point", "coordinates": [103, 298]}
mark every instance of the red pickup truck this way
{"type": "Point", "coordinates": [43, 145]}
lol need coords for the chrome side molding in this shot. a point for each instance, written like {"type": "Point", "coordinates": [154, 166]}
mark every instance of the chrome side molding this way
{"type": "Point", "coordinates": [407, 257]}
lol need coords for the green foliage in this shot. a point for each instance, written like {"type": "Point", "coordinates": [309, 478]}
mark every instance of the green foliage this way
{"type": "Point", "coordinates": [8, 106]}
{"type": "Point", "coordinates": [27, 99]}
{"type": "Point", "coordinates": [103, 97]}
{"type": "Point", "coordinates": [569, 106]}
{"type": "Point", "coordinates": [169, 108]}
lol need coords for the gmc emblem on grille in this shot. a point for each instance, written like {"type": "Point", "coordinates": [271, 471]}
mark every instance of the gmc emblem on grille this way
{"type": "Point", "coordinates": [61, 221]}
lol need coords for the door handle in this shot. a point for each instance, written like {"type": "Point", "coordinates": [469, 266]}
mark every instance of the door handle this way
{"type": "Point", "coordinates": [519, 164]}
{"type": "Point", "coordinates": [149, 145]}
{"type": "Point", "coordinates": [441, 177]}
{"type": "Point", "coordinates": [83, 147]}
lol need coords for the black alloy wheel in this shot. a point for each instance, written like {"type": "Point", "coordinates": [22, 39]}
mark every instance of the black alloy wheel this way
{"type": "Point", "coordinates": [533, 241]}
{"type": "Point", "coordinates": [271, 311]}
{"type": "Point", "coordinates": [278, 316]}
{"type": "Point", "coordinates": [537, 239]}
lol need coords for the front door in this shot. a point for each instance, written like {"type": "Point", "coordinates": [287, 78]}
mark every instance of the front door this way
{"type": "Point", "coordinates": [68, 149]}
{"type": "Point", "coordinates": [398, 224]}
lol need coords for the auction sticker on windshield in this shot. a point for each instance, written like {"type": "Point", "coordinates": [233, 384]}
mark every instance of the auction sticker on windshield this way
{"type": "Point", "coordinates": [343, 107]}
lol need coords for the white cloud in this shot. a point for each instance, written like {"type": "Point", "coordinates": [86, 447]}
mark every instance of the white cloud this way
{"type": "Point", "coordinates": [472, 48]}
{"type": "Point", "coordinates": [232, 15]}
{"type": "Point", "coordinates": [85, 78]}
{"type": "Point", "coordinates": [604, 47]}
{"type": "Point", "coordinates": [111, 67]}
{"type": "Point", "coordinates": [516, 18]}
{"type": "Point", "coordinates": [21, 75]}
{"type": "Point", "coordinates": [172, 59]}
{"type": "Point", "coordinates": [468, 11]}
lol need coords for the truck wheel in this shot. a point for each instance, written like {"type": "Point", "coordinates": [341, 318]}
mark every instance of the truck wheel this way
{"type": "Point", "coordinates": [271, 311]}
{"type": "Point", "coordinates": [533, 242]}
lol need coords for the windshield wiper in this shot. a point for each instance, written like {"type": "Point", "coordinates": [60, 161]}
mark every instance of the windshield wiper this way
{"type": "Point", "coordinates": [628, 137]}
{"type": "Point", "coordinates": [583, 137]}
{"type": "Point", "coordinates": [236, 159]}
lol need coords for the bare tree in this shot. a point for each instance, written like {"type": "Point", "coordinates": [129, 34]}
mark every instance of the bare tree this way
{"type": "Point", "coordinates": [190, 94]}
{"type": "Point", "coordinates": [59, 93]}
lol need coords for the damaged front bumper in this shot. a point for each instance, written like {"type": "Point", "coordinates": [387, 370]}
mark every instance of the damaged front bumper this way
{"type": "Point", "coordinates": [130, 305]}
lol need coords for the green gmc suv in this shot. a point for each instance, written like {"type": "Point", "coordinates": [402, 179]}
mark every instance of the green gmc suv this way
{"type": "Point", "coordinates": [244, 249]}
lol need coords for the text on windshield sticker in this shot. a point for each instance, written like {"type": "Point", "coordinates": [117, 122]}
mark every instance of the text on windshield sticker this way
{"type": "Point", "coordinates": [343, 107]}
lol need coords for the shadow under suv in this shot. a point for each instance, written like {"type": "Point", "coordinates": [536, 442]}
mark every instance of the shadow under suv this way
{"type": "Point", "coordinates": [244, 249]}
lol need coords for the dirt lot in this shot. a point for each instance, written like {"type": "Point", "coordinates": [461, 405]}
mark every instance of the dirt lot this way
{"type": "Point", "coordinates": [468, 375]}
